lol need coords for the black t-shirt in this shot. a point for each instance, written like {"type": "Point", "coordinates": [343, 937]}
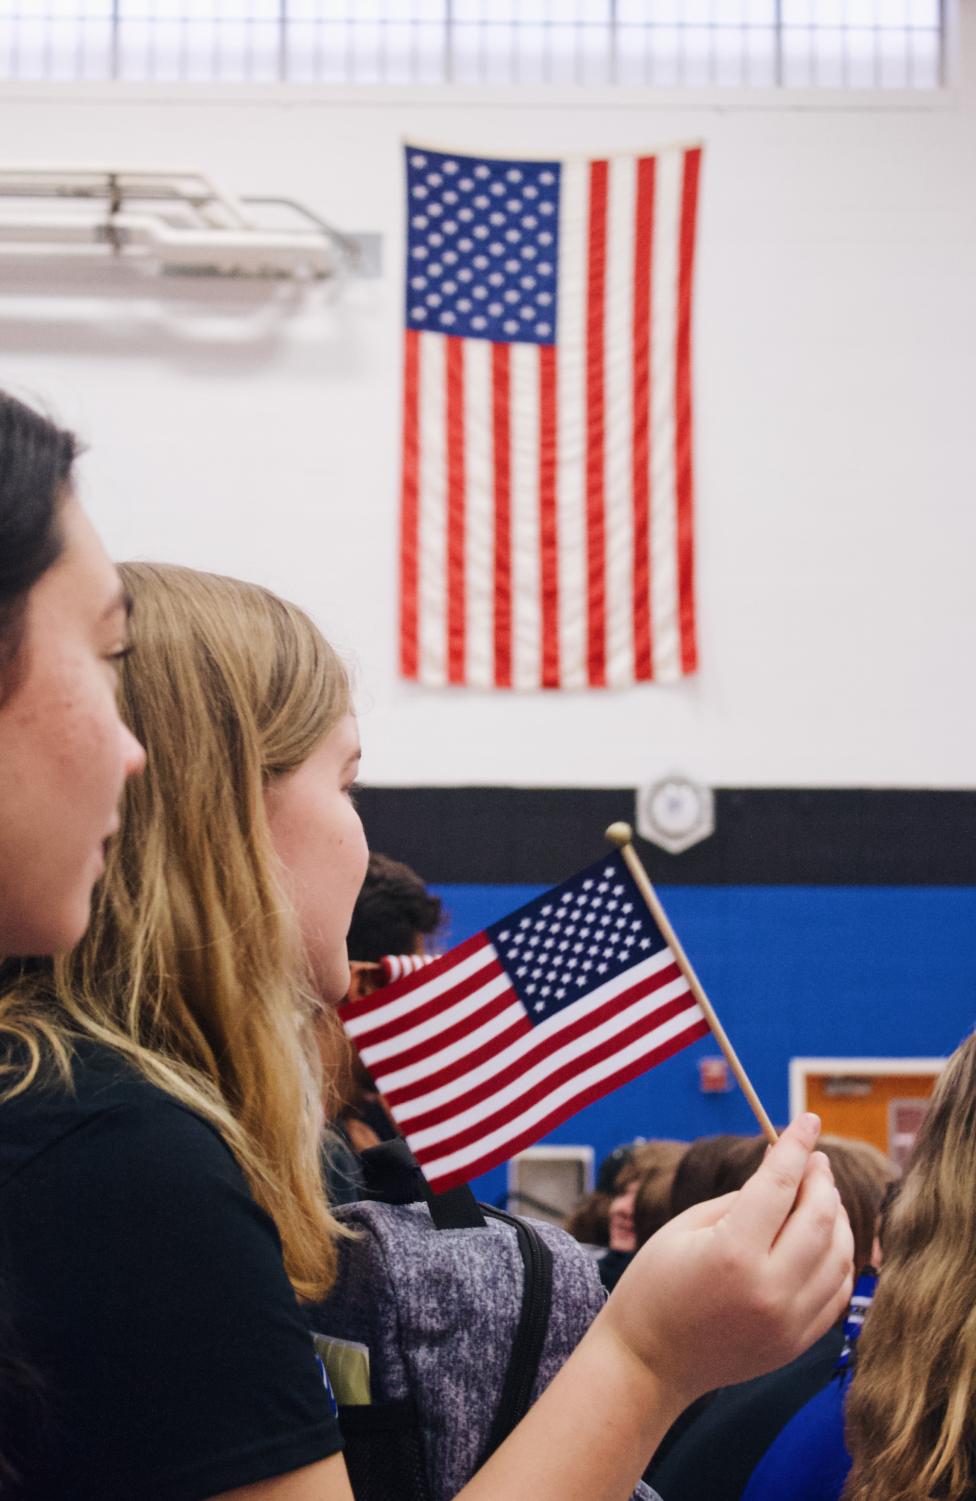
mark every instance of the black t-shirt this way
{"type": "Point", "coordinates": [155, 1346]}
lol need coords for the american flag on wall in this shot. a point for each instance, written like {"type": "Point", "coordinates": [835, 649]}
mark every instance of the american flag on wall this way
{"type": "Point", "coordinates": [493, 1044]}
{"type": "Point", "coordinates": [546, 526]}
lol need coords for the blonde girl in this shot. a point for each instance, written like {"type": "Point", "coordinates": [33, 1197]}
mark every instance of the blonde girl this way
{"type": "Point", "coordinates": [159, 1184]}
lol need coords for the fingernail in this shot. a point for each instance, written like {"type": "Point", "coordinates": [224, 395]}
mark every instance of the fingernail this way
{"type": "Point", "coordinates": [810, 1123]}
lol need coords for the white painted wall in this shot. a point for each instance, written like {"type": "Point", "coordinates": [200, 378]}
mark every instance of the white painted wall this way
{"type": "Point", "coordinates": [246, 431]}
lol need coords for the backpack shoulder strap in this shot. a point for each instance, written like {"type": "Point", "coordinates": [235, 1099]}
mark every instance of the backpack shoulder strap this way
{"type": "Point", "coordinates": [457, 1209]}
{"type": "Point", "coordinates": [530, 1335]}
{"type": "Point", "coordinates": [393, 1176]}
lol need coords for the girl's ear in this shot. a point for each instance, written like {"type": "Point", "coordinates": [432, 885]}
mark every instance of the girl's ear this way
{"type": "Point", "coordinates": [365, 976]}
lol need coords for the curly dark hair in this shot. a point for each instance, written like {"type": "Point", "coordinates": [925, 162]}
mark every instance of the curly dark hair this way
{"type": "Point", "coordinates": [394, 909]}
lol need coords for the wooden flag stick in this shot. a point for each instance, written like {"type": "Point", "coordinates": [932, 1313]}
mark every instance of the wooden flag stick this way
{"type": "Point", "coordinates": [622, 836]}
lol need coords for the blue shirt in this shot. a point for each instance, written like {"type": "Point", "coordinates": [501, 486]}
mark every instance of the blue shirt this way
{"type": "Point", "coordinates": [808, 1460]}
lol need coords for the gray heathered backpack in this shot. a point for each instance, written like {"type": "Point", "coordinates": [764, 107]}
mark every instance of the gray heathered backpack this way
{"type": "Point", "coordinates": [446, 1322]}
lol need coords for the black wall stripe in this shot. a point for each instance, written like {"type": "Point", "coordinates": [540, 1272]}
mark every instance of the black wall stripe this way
{"type": "Point", "coordinates": [763, 836]}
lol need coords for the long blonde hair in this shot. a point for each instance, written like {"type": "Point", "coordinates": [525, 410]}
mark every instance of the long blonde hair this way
{"type": "Point", "coordinates": [911, 1412]}
{"type": "Point", "coordinates": [192, 967]}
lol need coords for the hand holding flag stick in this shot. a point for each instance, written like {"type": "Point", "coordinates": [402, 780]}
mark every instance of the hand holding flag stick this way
{"type": "Point", "coordinates": [621, 835]}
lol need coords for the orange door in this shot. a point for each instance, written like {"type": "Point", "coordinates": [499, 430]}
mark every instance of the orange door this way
{"type": "Point", "coordinates": [885, 1109]}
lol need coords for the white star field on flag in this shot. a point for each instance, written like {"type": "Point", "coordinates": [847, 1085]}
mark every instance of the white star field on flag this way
{"type": "Point", "coordinates": [579, 936]}
{"type": "Point", "coordinates": [482, 248]}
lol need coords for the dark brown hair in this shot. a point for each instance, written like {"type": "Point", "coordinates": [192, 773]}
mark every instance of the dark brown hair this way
{"type": "Point", "coordinates": [589, 1222]}
{"type": "Point", "coordinates": [393, 910]}
{"type": "Point", "coordinates": [35, 466]}
{"type": "Point", "coordinates": [712, 1166]}
{"type": "Point", "coordinates": [656, 1163]}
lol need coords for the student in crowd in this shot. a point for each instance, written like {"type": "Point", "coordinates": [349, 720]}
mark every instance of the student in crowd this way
{"type": "Point", "coordinates": [64, 752]}
{"type": "Point", "coordinates": [713, 1451]}
{"type": "Point", "coordinates": [159, 1184]}
{"type": "Point", "coordinates": [589, 1220]}
{"type": "Point", "coordinates": [395, 913]}
{"type": "Point", "coordinates": [911, 1411]}
{"type": "Point", "coordinates": [649, 1170]}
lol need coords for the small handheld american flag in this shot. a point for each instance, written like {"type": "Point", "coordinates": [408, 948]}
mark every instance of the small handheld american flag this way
{"type": "Point", "coordinates": [493, 1044]}
{"type": "Point", "coordinates": [395, 966]}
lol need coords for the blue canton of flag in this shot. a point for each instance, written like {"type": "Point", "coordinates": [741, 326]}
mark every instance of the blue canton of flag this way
{"type": "Point", "coordinates": [576, 938]}
{"type": "Point", "coordinates": [482, 247]}
{"type": "Point", "coordinates": [493, 1044]}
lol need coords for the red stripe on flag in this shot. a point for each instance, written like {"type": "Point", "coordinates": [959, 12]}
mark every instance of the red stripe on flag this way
{"type": "Point", "coordinates": [461, 1066]}
{"type": "Point", "coordinates": [441, 1182]}
{"type": "Point", "coordinates": [547, 1045]}
{"type": "Point", "coordinates": [438, 967]}
{"type": "Point", "coordinates": [444, 1039]}
{"type": "Point", "coordinates": [502, 466]}
{"type": "Point", "coordinates": [641, 453]}
{"type": "Point", "coordinates": [436, 1006]}
{"type": "Point", "coordinates": [454, 400]}
{"type": "Point", "coordinates": [546, 1049]}
{"type": "Point", "coordinates": [569, 1069]}
{"type": "Point", "coordinates": [409, 506]}
{"type": "Point", "coordinates": [548, 531]}
{"type": "Point", "coordinates": [596, 627]}
{"type": "Point", "coordinates": [682, 403]}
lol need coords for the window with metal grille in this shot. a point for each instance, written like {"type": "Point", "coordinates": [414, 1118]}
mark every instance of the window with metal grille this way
{"type": "Point", "coordinates": [637, 43]}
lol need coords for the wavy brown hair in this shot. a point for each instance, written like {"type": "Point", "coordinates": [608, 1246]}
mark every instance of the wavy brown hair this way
{"type": "Point", "coordinates": [192, 967]}
{"type": "Point", "coordinates": [654, 1167]}
{"type": "Point", "coordinates": [911, 1412]}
